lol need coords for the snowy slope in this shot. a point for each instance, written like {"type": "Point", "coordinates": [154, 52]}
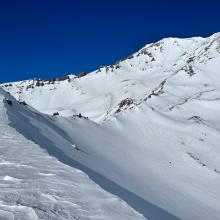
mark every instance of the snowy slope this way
{"type": "Point", "coordinates": [186, 66]}
{"type": "Point", "coordinates": [35, 185]}
{"type": "Point", "coordinates": [153, 126]}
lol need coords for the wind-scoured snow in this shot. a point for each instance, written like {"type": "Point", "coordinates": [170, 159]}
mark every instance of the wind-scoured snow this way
{"type": "Point", "coordinates": [35, 185]}
{"type": "Point", "coordinates": [146, 129]}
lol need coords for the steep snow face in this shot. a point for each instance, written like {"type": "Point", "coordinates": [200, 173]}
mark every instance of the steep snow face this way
{"type": "Point", "coordinates": [153, 126]}
{"type": "Point", "coordinates": [35, 185]}
{"type": "Point", "coordinates": [184, 65]}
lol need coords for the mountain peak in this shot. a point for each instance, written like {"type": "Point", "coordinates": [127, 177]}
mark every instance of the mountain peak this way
{"type": "Point", "coordinates": [150, 123]}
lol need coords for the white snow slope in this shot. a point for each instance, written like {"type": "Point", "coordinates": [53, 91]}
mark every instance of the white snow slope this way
{"type": "Point", "coordinates": [35, 185]}
{"type": "Point", "coordinates": [153, 129]}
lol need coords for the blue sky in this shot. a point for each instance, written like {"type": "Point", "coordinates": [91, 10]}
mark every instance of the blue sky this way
{"type": "Point", "coordinates": [52, 38]}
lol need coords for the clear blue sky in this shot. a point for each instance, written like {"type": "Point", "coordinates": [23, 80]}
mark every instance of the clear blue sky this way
{"type": "Point", "coordinates": [48, 38]}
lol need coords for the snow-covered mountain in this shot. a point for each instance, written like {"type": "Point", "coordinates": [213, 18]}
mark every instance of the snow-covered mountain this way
{"type": "Point", "coordinates": [149, 131]}
{"type": "Point", "coordinates": [35, 185]}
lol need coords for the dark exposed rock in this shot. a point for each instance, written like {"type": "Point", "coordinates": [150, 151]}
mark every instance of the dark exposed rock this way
{"type": "Point", "coordinates": [8, 101]}
{"type": "Point", "coordinates": [81, 74]}
{"type": "Point", "coordinates": [124, 104]}
{"type": "Point", "coordinates": [188, 69]}
{"type": "Point", "coordinates": [158, 91]}
{"type": "Point", "coordinates": [22, 103]}
{"type": "Point", "coordinates": [80, 116]}
{"type": "Point", "coordinates": [63, 78]}
{"type": "Point", "coordinates": [196, 118]}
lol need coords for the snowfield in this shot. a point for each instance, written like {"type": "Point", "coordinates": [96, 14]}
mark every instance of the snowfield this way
{"type": "Point", "coordinates": [35, 185]}
{"type": "Point", "coordinates": [146, 129]}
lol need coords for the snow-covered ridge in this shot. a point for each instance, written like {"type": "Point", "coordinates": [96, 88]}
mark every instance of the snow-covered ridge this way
{"type": "Point", "coordinates": [151, 126]}
{"type": "Point", "coordinates": [98, 93]}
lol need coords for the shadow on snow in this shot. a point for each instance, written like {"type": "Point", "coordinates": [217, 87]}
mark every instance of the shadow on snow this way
{"type": "Point", "coordinates": [22, 123]}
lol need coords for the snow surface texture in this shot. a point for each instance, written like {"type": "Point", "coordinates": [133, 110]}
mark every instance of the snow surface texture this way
{"type": "Point", "coordinates": [153, 129]}
{"type": "Point", "coordinates": [35, 185]}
